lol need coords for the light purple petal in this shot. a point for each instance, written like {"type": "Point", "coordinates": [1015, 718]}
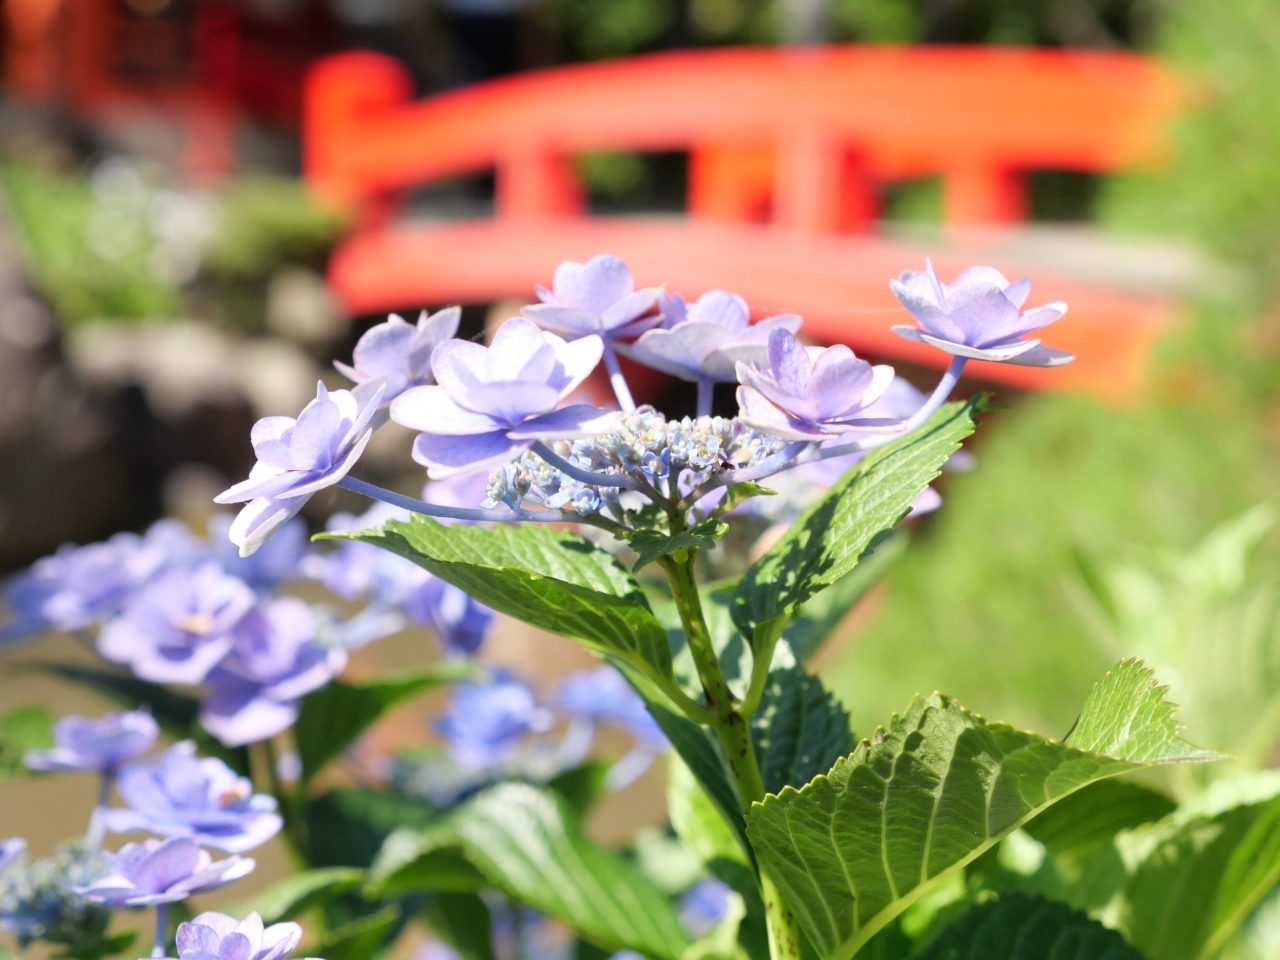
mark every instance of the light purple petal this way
{"type": "Point", "coordinates": [219, 923]}
{"type": "Point", "coordinates": [1040, 356]}
{"type": "Point", "coordinates": [982, 312]}
{"type": "Point", "coordinates": [926, 311]}
{"type": "Point", "coordinates": [237, 722]}
{"type": "Point", "coordinates": [520, 351]}
{"type": "Point", "coordinates": [278, 940]}
{"type": "Point", "coordinates": [235, 946]}
{"type": "Point", "coordinates": [509, 403]}
{"type": "Point", "coordinates": [1017, 293]}
{"type": "Point", "coordinates": [251, 927]}
{"type": "Point", "coordinates": [725, 309]}
{"type": "Point", "coordinates": [986, 276]}
{"type": "Point", "coordinates": [1005, 352]}
{"type": "Point", "coordinates": [630, 307]}
{"type": "Point", "coordinates": [595, 285]}
{"type": "Point", "coordinates": [430, 409]}
{"type": "Point", "coordinates": [679, 351]}
{"type": "Point", "coordinates": [567, 423]}
{"type": "Point", "coordinates": [168, 864]}
{"type": "Point", "coordinates": [1038, 318]}
{"type": "Point", "coordinates": [569, 322]}
{"type": "Point", "coordinates": [259, 519]}
{"type": "Point", "coordinates": [576, 361]}
{"type": "Point", "coordinates": [447, 456]}
{"type": "Point", "coordinates": [458, 365]}
{"type": "Point", "coordinates": [757, 412]}
{"type": "Point", "coordinates": [789, 362]}
{"type": "Point", "coordinates": [312, 443]}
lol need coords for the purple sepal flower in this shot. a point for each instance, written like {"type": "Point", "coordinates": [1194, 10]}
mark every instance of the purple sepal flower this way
{"type": "Point", "coordinates": [298, 457]}
{"type": "Point", "coordinates": [491, 403]}
{"type": "Point", "coordinates": [978, 316]}
{"type": "Point", "coordinates": [598, 297]}
{"type": "Point", "coordinates": [96, 743]}
{"type": "Point", "coordinates": [602, 697]}
{"type": "Point", "coordinates": [215, 936]}
{"type": "Point", "coordinates": [714, 334]}
{"type": "Point", "coordinates": [460, 622]}
{"type": "Point", "coordinates": [11, 851]}
{"type": "Point", "coordinates": [164, 871]}
{"type": "Point", "coordinates": [254, 692]}
{"type": "Point", "coordinates": [811, 393]}
{"type": "Point", "coordinates": [704, 905]}
{"type": "Point", "coordinates": [398, 353]}
{"type": "Point", "coordinates": [276, 560]}
{"type": "Point", "coordinates": [179, 626]}
{"type": "Point", "coordinates": [178, 794]}
{"type": "Point", "coordinates": [485, 723]}
{"type": "Point", "coordinates": [79, 586]}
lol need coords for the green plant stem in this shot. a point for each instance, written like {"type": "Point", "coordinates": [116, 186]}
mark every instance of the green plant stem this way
{"type": "Point", "coordinates": [731, 724]}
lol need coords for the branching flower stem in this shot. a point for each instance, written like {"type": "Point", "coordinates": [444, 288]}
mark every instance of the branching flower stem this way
{"type": "Point", "coordinates": [585, 476]}
{"type": "Point", "coordinates": [500, 515]}
{"type": "Point", "coordinates": [731, 723]}
{"type": "Point", "coordinates": [616, 379]}
{"type": "Point", "coordinates": [706, 390]}
{"type": "Point", "coordinates": [159, 948]}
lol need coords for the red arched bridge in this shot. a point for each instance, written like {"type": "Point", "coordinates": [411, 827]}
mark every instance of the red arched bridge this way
{"type": "Point", "coordinates": [789, 151]}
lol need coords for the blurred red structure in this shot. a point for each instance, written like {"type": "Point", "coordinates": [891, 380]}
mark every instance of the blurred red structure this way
{"type": "Point", "coordinates": [788, 152]}
{"type": "Point", "coordinates": [203, 63]}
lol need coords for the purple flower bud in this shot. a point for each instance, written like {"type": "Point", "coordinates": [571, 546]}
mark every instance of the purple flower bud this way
{"type": "Point", "coordinates": [179, 626]}
{"type": "Point", "coordinates": [398, 353]}
{"type": "Point", "coordinates": [602, 697]}
{"type": "Point", "coordinates": [254, 693]}
{"type": "Point", "coordinates": [164, 871]}
{"type": "Point", "coordinates": [297, 458]}
{"type": "Point", "coordinates": [714, 335]}
{"type": "Point", "coordinates": [485, 723]}
{"type": "Point", "coordinates": [101, 743]}
{"type": "Point", "coordinates": [810, 393]}
{"type": "Point", "coordinates": [11, 851]}
{"type": "Point", "coordinates": [215, 936]}
{"type": "Point", "coordinates": [178, 794]}
{"type": "Point", "coordinates": [492, 403]}
{"type": "Point", "coordinates": [598, 297]}
{"type": "Point", "coordinates": [79, 586]}
{"type": "Point", "coordinates": [977, 316]}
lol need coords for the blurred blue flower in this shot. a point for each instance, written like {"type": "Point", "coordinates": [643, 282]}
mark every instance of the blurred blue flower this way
{"type": "Point", "coordinates": [296, 458]}
{"type": "Point", "coordinates": [77, 587]}
{"type": "Point", "coordinates": [492, 403]}
{"type": "Point", "coordinates": [398, 354]}
{"type": "Point", "coordinates": [460, 622]}
{"type": "Point", "coordinates": [598, 297]}
{"type": "Point", "coordinates": [11, 851]}
{"type": "Point", "coordinates": [810, 393]}
{"type": "Point", "coordinates": [978, 316]}
{"type": "Point", "coordinates": [704, 905]}
{"type": "Point", "coordinates": [176, 628]}
{"type": "Point", "coordinates": [215, 936]}
{"type": "Point", "coordinates": [254, 692]}
{"type": "Point", "coordinates": [97, 743]}
{"type": "Point", "coordinates": [485, 722]}
{"type": "Point", "coordinates": [178, 794]}
{"type": "Point", "coordinates": [712, 334]}
{"type": "Point", "coordinates": [163, 871]}
{"type": "Point", "coordinates": [39, 900]}
{"type": "Point", "coordinates": [602, 696]}
{"type": "Point", "coordinates": [276, 560]}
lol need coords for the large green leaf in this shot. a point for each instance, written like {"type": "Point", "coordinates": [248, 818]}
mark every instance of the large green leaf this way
{"type": "Point", "coordinates": [853, 849]}
{"type": "Point", "coordinates": [175, 712]}
{"type": "Point", "coordinates": [1021, 926]}
{"type": "Point", "coordinates": [799, 729]}
{"type": "Point", "coordinates": [346, 828]}
{"type": "Point", "coordinates": [831, 537]}
{"type": "Point", "coordinates": [338, 712]}
{"type": "Point", "coordinates": [1196, 876]}
{"type": "Point", "coordinates": [522, 840]}
{"type": "Point", "coordinates": [362, 938]}
{"type": "Point", "coordinates": [552, 579]}
{"type": "Point", "coordinates": [461, 919]}
{"type": "Point", "coordinates": [1094, 814]}
{"type": "Point", "coordinates": [297, 893]}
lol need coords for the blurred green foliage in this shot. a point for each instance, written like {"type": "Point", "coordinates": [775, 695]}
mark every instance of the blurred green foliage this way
{"type": "Point", "coordinates": [268, 222]}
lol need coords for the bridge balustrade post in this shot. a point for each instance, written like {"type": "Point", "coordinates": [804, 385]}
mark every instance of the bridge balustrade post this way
{"type": "Point", "coordinates": [977, 192]}
{"type": "Point", "coordinates": [821, 184]}
{"type": "Point", "coordinates": [533, 181]}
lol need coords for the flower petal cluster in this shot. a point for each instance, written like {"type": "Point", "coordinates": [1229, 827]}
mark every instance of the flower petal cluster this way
{"type": "Point", "coordinates": [96, 743]}
{"type": "Point", "coordinates": [176, 629]}
{"type": "Point", "coordinates": [978, 316]}
{"type": "Point", "coordinates": [491, 403]}
{"type": "Point", "coordinates": [254, 693]}
{"type": "Point", "coordinates": [602, 697]}
{"type": "Point", "coordinates": [298, 457]}
{"type": "Point", "coordinates": [397, 353]}
{"type": "Point", "coordinates": [215, 936]}
{"type": "Point", "coordinates": [708, 338]}
{"type": "Point", "coordinates": [178, 794]}
{"type": "Point", "coordinates": [810, 393]}
{"type": "Point", "coordinates": [485, 722]}
{"type": "Point", "coordinates": [596, 297]}
{"type": "Point", "coordinates": [164, 871]}
{"type": "Point", "coordinates": [77, 587]}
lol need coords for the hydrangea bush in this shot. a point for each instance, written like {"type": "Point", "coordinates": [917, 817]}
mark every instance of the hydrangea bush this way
{"type": "Point", "coordinates": [703, 560]}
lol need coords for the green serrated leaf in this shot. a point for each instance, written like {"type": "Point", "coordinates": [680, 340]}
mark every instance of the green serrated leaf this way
{"type": "Point", "coordinates": [1095, 814]}
{"type": "Point", "coordinates": [523, 841]}
{"type": "Point", "coordinates": [853, 849]}
{"type": "Point", "coordinates": [1021, 926]}
{"type": "Point", "coordinates": [297, 894]}
{"type": "Point", "coordinates": [649, 545]}
{"type": "Point", "coordinates": [551, 579]}
{"type": "Point", "coordinates": [333, 716]}
{"type": "Point", "coordinates": [738, 493]}
{"type": "Point", "coordinates": [29, 727]}
{"type": "Point", "coordinates": [695, 819]}
{"type": "Point", "coordinates": [812, 623]}
{"type": "Point", "coordinates": [462, 920]}
{"type": "Point", "coordinates": [1197, 875]}
{"type": "Point", "coordinates": [799, 729]}
{"type": "Point", "coordinates": [831, 537]}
